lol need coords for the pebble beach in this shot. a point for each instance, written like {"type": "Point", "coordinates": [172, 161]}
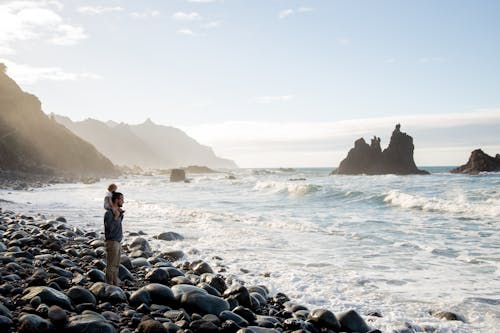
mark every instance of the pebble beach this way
{"type": "Point", "coordinates": [53, 281]}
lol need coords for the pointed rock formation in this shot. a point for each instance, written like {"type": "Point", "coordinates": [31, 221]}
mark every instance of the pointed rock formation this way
{"type": "Point", "coordinates": [478, 162]}
{"type": "Point", "coordinates": [397, 158]}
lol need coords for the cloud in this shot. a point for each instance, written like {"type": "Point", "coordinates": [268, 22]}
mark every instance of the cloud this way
{"type": "Point", "coordinates": [273, 99]}
{"type": "Point", "coordinates": [68, 35]}
{"type": "Point", "coordinates": [145, 14]}
{"type": "Point", "coordinates": [98, 10]}
{"type": "Point", "coordinates": [284, 13]}
{"type": "Point", "coordinates": [25, 74]}
{"type": "Point", "coordinates": [185, 32]}
{"type": "Point", "coordinates": [212, 25]}
{"type": "Point", "coordinates": [287, 12]}
{"type": "Point", "coordinates": [181, 16]}
{"type": "Point", "coordinates": [35, 20]}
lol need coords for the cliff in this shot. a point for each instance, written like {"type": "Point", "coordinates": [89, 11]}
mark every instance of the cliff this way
{"type": "Point", "coordinates": [397, 158]}
{"type": "Point", "coordinates": [33, 143]}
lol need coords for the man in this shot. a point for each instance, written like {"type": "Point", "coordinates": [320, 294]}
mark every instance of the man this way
{"type": "Point", "coordinates": [114, 235]}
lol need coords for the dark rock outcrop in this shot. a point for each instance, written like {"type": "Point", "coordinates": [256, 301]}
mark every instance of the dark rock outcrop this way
{"type": "Point", "coordinates": [177, 175]}
{"type": "Point", "coordinates": [478, 162]}
{"type": "Point", "coordinates": [397, 158]}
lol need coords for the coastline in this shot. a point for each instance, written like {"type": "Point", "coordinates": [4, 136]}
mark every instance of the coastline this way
{"type": "Point", "coordinates": [53, 277]}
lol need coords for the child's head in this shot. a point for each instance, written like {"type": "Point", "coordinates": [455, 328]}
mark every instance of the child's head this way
{"type": "Point", "coordinates": [112, 187]}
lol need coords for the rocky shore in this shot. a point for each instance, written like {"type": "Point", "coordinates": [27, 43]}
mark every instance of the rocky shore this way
{"type": "Point", "coordinates": [52, 280]}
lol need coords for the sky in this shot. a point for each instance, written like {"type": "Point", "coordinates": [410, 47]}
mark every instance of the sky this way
{"type": "Point", "coordinates": [269, 83]}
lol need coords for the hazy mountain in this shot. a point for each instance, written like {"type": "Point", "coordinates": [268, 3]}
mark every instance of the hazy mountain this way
{"type": "Point", "coordinates": [32, 142]}
{"type": "Point", "coordinates": [147, 145]}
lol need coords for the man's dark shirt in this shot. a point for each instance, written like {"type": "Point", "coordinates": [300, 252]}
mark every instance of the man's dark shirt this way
{"type": "Point", "coordinates": [112, 227]}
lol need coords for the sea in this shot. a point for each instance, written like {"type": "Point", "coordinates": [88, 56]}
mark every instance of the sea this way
{"type": "Point", "coordinates": [396, 246]}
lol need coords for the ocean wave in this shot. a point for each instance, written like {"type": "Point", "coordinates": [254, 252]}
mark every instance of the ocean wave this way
{"type": "Point", "coordinates": [292, 189]}
{"type": "Point", "coordinates": [456, 204]}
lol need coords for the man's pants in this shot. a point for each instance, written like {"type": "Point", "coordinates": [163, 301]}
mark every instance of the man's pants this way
{"type": "Point", "coordinates": [113, 254]}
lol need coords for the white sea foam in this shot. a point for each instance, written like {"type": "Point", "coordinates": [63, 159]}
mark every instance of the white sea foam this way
{"type": "Point", "coordinates": [454, 205]}
{"type": "Point", "coordinates": [293, 189]}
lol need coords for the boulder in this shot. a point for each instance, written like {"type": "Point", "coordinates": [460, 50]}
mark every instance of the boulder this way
{"type": "Point", "coordinates": [177, 175]}
{"type": "Point", "coordinates": [79, 295]}
{"type": "Point", "coordinates": [89, 322]}
{"type": "Point", "coordinates": [48, 296]}
{"type": "Point", "coordinates": [195, 301]}
{"type": "Point", "coordinates": [447, 315]}
{"type": "Point", "coordinates": [153, 293]}
{"type": "Point", "coordinates": [397, 158]}
{"type": "Point", "coordinates": [324, 319]}
{"type": "Point", "coordinates": [351, 321]}
{"type": "Point", "coordinates": [478, 162]}
{"type": "Point", "coordinates": [169, 236]}
{"type": "Point", "coordinates": [31, 323]}
{"type": "Point", "coordinates": [108, 293]}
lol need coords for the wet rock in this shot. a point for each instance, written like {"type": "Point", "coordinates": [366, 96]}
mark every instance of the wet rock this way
{"type": "Point", "coordinates": [96, 275]}
{"type": "Point", "coordinates": [79, 295]}
{"type": "Point", "coordinates": [240, 293]}
{"type": "Point", "coordinates": [237, 319]}
{"type": "Point", "coordinates": [169, 236]}
{"type": "Point", "coordinates": [257, 329]}
{"type": "Point", "coordinates": [5, 324]}
{"type": "Point", "coordinates": [203, 326]}
{"type": "Point", "coordinates": [215, 281]}
{"type": "Point", "coordinates": [30, 323]}
{"type": "Point", "coordinates": [351, 321]}
{"type": "Point", "coordinates": [153, 293]}
{"type": "Point", "coordinates": [446, 315]}
{"type": "Point", "coordinates": [200, 267]}
{"type": "Point", "coordinates": [158, 275]}
{"type": "Point", "coordinates": [57, 316]}
{"type": "Point", "coordinates": [141, 244]}
{"type": "Point", "coordinates": [125, 274]}
{"type": "Point", "coordinates": [4, 311]}
{"type": "Point", "coordinates": [245, 313]}
{"type": "Point", "coordinates": [48, 296]}
{"type": "Point", "coordinates": [89, 322]}
{"type": "Point", "coordinates": [293, 307]}
{"type": "Point", "coordinates": [108, 293]}
{"type": "Point", "coordinates": [324, 319]}
{"type": "Point", "coordinates": [203, 303]}
{"type": "Point", "coordinates": [151, 326]}
{"type": "Point", "coordinates": [173, 255]}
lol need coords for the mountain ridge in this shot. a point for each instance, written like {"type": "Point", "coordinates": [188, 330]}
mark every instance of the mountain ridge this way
{"type": "Point", "coordinates": [147, 145]}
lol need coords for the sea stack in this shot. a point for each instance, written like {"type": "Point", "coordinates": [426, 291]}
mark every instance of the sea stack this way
{"type": "Point", "coordinates": [478, 162]}
{"type": "Point", "coordinates": [397, 158]}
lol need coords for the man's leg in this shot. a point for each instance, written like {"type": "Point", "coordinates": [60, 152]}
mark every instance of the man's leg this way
{"type": "Point", "coordinates": [116, 262]}
{"type": "Point", "coordinates": [112, 261]}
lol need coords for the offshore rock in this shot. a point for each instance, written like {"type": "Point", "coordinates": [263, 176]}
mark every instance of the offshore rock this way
{"type": "Point", "coordinates": [478, 162]}
{"type": "Point", "coordinates": [397, 158]}
{"type": "Point", "coordinates": [177, 175]}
